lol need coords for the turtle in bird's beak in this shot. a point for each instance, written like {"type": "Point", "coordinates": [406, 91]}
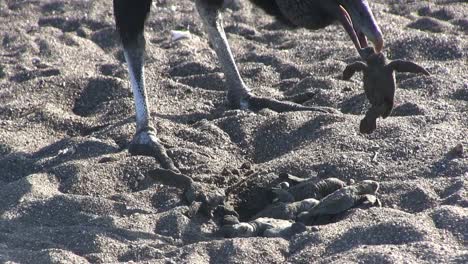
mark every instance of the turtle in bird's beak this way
{"type": "Point", "coordinates": [360, 24]}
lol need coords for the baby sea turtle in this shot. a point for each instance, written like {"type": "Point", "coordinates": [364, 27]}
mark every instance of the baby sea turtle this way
{"type": "Point", "coordinates": [311, 188]}
{"type": "Point", "coordinates": [342, 200]}
{"type": "Point", "coordinates": [287, 211]}
{"type": "Point", "coordinates": [379, 83]}
{"type": "Point", "coordinates": [264, 226]}
{"type": "Point", "coordinates": [277, 219]}
{"type": "Point", "coordinates": [291, 201]}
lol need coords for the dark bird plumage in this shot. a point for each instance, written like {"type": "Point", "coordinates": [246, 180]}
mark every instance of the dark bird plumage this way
{"type": "Point", "coordinates": [272, 9]}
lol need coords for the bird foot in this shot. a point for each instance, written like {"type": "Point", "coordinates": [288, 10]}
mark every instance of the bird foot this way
{"type": "Point", "coordinates": [299, 98]}
{"type": "Point", "coordinates": [257, 103]}
{"type": "Point", "coordinates": [201, 197]}
{"type": "Point", "coordinates": [146, 143]}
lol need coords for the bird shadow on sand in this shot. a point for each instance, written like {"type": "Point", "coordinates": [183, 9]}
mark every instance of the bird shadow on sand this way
{"type": "Point", "coordinates": [191, 118]}
{"type": "Point", "coordinates": [17, 165]}
{"type": "Point", "coordinates": [375, 235]}
{"type": "Point", "coordinates": [60, 223]}
{"type": "Point", "coordinates": [447, 165]}
{"type": "Point", "coordinates": [40, 218]}
{"type": "Point", "coordinates": [354, 104]}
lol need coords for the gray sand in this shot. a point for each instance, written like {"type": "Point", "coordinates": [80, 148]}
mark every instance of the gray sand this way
{"type": "Point", "coordinates": [71, 193]}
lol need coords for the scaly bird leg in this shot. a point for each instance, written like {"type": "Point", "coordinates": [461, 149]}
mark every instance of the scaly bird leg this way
{"type": "Point", "coordinates": [239, 95]}
{"type": "Point", "coordinates": [130, 19]}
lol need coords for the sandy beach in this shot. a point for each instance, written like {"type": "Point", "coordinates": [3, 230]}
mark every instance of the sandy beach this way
{"type": "Point", "coordinates": [71, 193]}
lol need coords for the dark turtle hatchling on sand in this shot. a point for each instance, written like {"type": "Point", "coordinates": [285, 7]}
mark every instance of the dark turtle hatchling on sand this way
{"type": "Point", "coordinates": [287, 211]}
{"type": "Point", "coordinates": [312, 188]}
{"type": "Point", "coordinates": [278, 219]}
{"type": "Point", "coordinates": [263, 226]}
{"type": "Point", "coordinates": [299, 198]}
{"type": "Point", "coordinates": [341, 200]}
{"type": "Point", "coordinates": [379, 83]}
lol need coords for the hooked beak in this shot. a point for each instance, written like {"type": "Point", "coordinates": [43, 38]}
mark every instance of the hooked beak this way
{"type": "Point", "coordinates": [359, 23]}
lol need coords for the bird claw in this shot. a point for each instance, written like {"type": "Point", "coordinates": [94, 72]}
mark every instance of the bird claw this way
{"type": "Point", "coordinates": [146, 143]}
{"type": "Point", "coordinates": [299, 98]}
{"type": "Point", "coordinates": [256, 103]}
{"type": "Point", "coordinates": [201, 197]}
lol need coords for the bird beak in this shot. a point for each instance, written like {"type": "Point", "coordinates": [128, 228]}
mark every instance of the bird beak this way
{"type": "Point", "coordinates": [359, 22]}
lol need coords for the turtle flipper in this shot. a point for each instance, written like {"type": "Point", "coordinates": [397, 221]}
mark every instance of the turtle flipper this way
{"type": "Point", "coordinates": [367, 201]}
{"type": "Point", "coordinates": [283, 195]}
{"type": "Point", "coordinates": [369, 122]}
{"type": "Point", "coordinates": [386, 108]}
{"type": "Point", "coordinates": [327, 186]}
{"type": "Point", "coordinates": [367, 125]}
{"type": "Point", "coordinates": [352, 68]}
{"type": "Point", "coordinates": [239, 230]}
{"type": "Point", "coordinates": [406, 66]}
{"type": "Point", "coordinates": [312, 189]}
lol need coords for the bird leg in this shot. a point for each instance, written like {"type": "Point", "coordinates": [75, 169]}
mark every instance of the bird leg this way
{"type": "Point", "coordinates": [130, 18]}
{"type": "Point", "coordinates": [146, 143]}
{"type": "Point", "coordinates": [239, 95]}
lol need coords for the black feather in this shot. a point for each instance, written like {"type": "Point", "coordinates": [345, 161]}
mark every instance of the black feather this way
{"type": "Point", "coordinates": [130, 18]}
{"type": "Point", "coordinates": [270, 7]}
